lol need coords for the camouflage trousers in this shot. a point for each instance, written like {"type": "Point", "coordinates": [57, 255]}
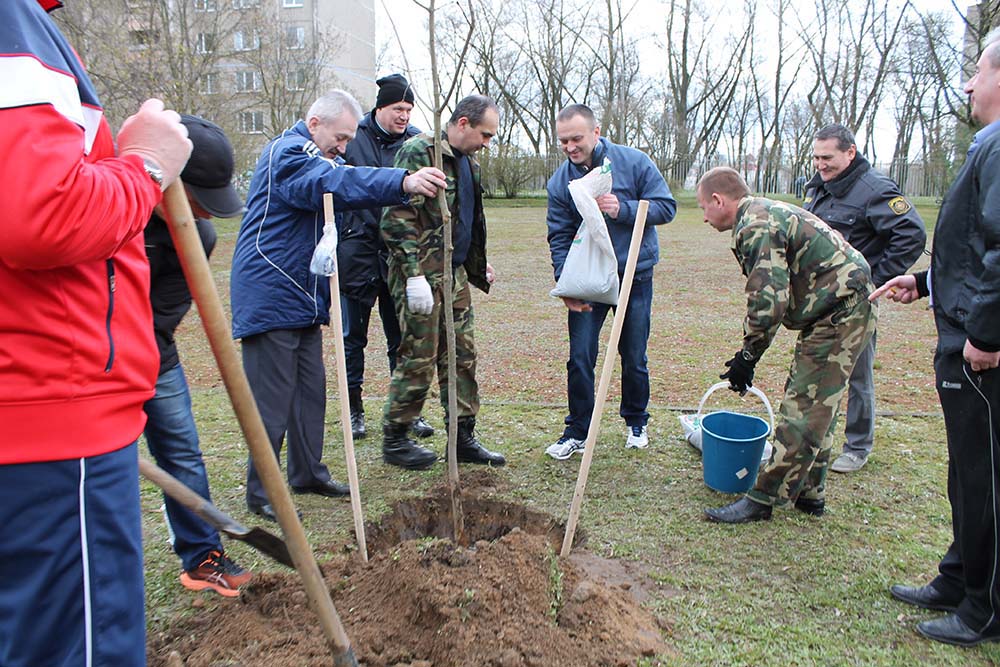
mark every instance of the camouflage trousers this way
{"type": "Point", "coordinates": [423, 347]}
{"type": "Point", "coordinates": [825, 355]}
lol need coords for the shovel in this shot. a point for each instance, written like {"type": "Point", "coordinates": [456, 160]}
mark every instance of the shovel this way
{"type": "Point", "coordinates": [261, 540]}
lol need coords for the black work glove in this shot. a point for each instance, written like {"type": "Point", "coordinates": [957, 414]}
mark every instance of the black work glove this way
{"type": "Point", "coordinates": [740, 372]}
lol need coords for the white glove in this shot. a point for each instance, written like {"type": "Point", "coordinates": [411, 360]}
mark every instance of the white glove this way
{"type": "Point", "coordinates": [156, 134]}
{"type": "Point", "coordinates": [324, 259]}
{"type": "Point", "coordinates": [419, 298]}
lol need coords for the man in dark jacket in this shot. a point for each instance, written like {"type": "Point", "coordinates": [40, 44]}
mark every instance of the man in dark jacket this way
{"type": "Point", "coordinates": [278, 305]}
{"type": "Point", "coordinates": [635, 177]}
{"type": "Point", "coordinates": [361, 254]}
{"type": "Point", "coordinates": [963, 284]}
{"type": "Point", "coordinates": [874, 216]}
{"type": "Point", "coordinates": [170, 431]}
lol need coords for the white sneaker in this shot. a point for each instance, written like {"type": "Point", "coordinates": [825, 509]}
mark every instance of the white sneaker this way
{"type": "Point", "coordinates": [638, 438]}
{"type": "Point", "coordinates": [564, 448]}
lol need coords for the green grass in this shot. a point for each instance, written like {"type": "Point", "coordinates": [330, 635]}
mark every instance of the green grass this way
{"type": "Point", "coordinates": [793, 591]}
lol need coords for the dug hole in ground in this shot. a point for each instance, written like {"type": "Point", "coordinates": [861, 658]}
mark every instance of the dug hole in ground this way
{"type": "Point", "coordinates": [505, 600]}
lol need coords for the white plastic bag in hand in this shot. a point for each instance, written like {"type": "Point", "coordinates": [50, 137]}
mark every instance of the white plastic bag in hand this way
{"type": "Point", "coordinates": [419, 298]}
{"type": "Point", "coordinates": [324, 259]}
{"type": "Point", "coordinates": [590, 272]}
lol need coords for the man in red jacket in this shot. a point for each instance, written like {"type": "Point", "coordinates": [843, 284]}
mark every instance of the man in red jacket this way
{"type": "Point", "coordinates": [77, 355]}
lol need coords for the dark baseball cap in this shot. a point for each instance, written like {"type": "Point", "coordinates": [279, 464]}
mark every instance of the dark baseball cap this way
{"type": "Point", "coordinates": [209, 171]}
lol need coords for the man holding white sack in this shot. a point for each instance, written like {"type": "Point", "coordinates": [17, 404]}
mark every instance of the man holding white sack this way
{"type": "Point", "coordinates": [634, 177]}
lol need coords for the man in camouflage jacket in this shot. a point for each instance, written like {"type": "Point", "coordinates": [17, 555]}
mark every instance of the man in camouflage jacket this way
{"type": "Point", "coordinates": [802, 274]}
{"type": "Point", "coordinates": [414, 235]}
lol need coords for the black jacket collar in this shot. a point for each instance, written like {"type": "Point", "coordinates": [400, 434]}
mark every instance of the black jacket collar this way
{"type": "Point", "coordinates": [842, 184]}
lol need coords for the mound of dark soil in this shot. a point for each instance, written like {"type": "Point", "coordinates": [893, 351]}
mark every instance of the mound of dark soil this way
{"type": "Point", "coordinates": [422, 601]}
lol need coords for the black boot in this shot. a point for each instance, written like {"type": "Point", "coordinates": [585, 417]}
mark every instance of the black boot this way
{"type": "Point", "coordinates": [469, 450]}
{"type": "Point", "coordinates": [811, 506]}
{"type": "Point", "coordinates": [399, 450]}
{"type": "Point", "coordinates": [358, 429]}
{"type": "Point", "coordinates": [421, 428]}
{"type": "Point", "coordinates": [743, 510]}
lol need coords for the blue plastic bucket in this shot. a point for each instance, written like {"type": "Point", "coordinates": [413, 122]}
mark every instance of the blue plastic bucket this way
{"type": "Point", "coordinates": [732, 445]}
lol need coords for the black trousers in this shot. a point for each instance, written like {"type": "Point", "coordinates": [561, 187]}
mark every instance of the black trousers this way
{"type": "Point", "coordinates": [286, 373]}
{"type": "Point", "coordinates": [970, 569]}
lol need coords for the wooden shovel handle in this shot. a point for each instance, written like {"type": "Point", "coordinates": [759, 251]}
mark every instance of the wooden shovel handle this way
{"type": "Point", "coordinates": [206, 297]}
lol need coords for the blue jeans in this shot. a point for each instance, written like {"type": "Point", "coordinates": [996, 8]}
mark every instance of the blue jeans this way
{"type": "Point", "coordinates": [357, 314]}
{"type": "Point", "coordinates": [173, 441]}
{"type": "Point", "coordinates": [584, 334]}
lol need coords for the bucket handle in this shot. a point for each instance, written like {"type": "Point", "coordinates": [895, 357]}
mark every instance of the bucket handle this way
{"type": "Point", "coordinates": [753, 390]}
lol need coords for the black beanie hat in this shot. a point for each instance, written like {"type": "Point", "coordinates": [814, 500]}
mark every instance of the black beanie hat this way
{"type": "Point", "coordinates": [391, 89]}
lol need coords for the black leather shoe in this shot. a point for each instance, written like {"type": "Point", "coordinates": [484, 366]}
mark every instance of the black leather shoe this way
{"type": "Point", "coordinates": [951, 629]}
{"type": "Point", "coordinates": [743, 510]}
{"type": "Point", "coordinates": [267, 511]}
{"type": "Point", "coordinates": [926, 597]}
{"type": "Point", "coordinates": [421, 428]}
{"type": "Point", "coordinates": [329, 488]}
{"type": "Point", "coordinates": [358, 429]}
{"type": "Point", "coordinates": [811, 506]}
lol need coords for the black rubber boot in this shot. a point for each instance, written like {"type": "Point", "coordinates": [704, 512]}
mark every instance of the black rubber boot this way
{"type": "Point", "coordinates": [399, 450]}
{"type": "Point", "coordinates": [469, 450]}
{"type": "Point", "coordinates": [358, 429]}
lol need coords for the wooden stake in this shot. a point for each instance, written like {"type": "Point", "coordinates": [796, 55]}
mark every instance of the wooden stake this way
{"type": "Point", "coordinates": [199, 279]}
{"type": "Point", "coordinates": [337, 324]}
{"type": "Point", "coordinates": [610, 355]}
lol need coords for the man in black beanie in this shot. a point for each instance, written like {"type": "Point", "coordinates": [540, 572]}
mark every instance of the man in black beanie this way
{"type": "Point", "coordinates": [361, 254]}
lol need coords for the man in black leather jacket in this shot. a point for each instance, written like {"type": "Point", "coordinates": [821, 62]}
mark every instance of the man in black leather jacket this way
{"type": "Point", "coordinates": [361, 254]}
{"type": "Point", "coordinates": [963, 284]}
{"type": "Point", "coordinates": [869, 210]}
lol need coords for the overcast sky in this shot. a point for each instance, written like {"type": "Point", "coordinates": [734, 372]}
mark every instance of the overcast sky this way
{"type": "Point", "coordinates": [647, 18]}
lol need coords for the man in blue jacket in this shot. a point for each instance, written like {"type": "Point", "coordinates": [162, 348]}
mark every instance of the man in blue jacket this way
{"type": "Point", "coordinates": [278, 305]}
{"type": "Point", "coordinates": [361, 254]}
{"type": "Point", "coordinates": [635, 177]}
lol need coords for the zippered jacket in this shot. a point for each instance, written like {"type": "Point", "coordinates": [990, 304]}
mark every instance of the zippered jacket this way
{"type": "Point", "coordinates": [872, 214]}
{"type": "Point", "coordinates": [634, 177]}
{"type": "Point", "coordinates": [965, 261]}
{"type": "Point", "coordinates": [271, 287]}
{"type": "Point", "coordinates": [361, 254]}
{"type": "Point", "coordinates": [77, 355]}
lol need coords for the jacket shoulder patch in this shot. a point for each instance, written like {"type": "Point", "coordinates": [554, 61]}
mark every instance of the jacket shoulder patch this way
{"type": "Point", "coordinates": [899, 205]}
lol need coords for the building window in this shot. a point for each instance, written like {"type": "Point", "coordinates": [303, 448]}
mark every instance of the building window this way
{"type": "Point", "coordinates": [295, 80]}
{"type": "Point", "coordinates": [246, 41]}
{"type": "Point", "coordinates": [206, 5]}
{"type": "Point", "coordinates": [251, 122]}
{"type": "Point", "coordinates": [210, 83]}
{"type": "Point", "coordinates": [248, 81]}
{"type": "Point", "coordinates": [205, 43]}
{"type": "Point", "coordinates": [295, 37]}
{"type": "Point", "coordinates": [291, 3]}
{"type": "Point", "coordinates": [245, 4]}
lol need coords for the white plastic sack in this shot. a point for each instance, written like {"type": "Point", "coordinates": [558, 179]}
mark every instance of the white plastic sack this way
{"type": "Point", "coordinates": [590, 272]}
{"type": "Point", "coordinates": [324, 259]}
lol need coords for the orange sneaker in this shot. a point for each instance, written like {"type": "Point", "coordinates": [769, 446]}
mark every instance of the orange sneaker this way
{"type": "Point", "coordinates": [218, 573]}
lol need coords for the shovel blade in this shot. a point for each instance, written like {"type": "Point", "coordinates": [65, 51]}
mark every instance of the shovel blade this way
{"type": "Point", "coordinates": [264, 542]}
